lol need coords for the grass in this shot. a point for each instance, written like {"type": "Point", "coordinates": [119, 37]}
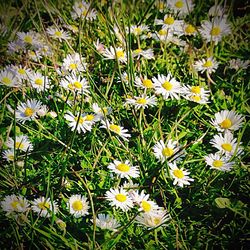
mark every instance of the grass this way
{"type": "Point", "coordinates": [210, 213]}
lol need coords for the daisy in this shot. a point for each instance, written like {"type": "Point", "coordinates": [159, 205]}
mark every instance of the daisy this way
{"type": "Point", "coordinates": [61, 224]}
{"type": "Point", "coordinates": [119, 198]}
{"type": "Point", "coordinates": [105, 221]}
{"type": "Point", "coordinates": [21, 72]}
{"type": "Point", "coordinates": [167, 86]}
{"type": "Point", "coordinates": [72, 28]}
{"type": "Point", "coordinates": [181, 7]}
{"type": "Point", "coordinates": [76, 84]}
{"type": "Point", "coordinates": [8, 155]}
{"type": "Point", "coordinates": [101, 112]}
{"type": "Point", "coordinates": [238, 64]}
{"type": "Point", "coordinates": [162, 35]}
{"type": "Point", "coordinates": [34, 55]}
{"type": "Point", "coordinates": [115, 53]}
{"type": "Point", "coordinates": [148, 53]}
{"type": "Point", "coordinates": [142, 101]}
{"type": "Point", "coordinates": [180, 176]}
{"type": "Point", "coordinates": [116, 129]}
{"type": "Point", "coordinates": [145, 205]}
{"type": "Point", "coordinates": [28, 111]}
{"type": "Point", "coordinates": [81, 121]}
{"type": "Point", "coordinates": [45, 50]}
{"type": "Point", "coordinates": [164, 152]}
{"type": "Point", "coordinates": [38, 81]}
{"type": "Point", "coordinates": [14, 204]}
{"type": "Point", "coordinates": [58, 34]}
{"type": "Point", "coordinates": [83, 10]}
{"type": "Point", "coordinates": [137, 30]}
{"type": "Point", "coordinates": [29, 38]}
{"type": "Point", "coordinates": [196, 94]}
{"type": "Point", "coordinates": [210, 65]}
{"type": "Point", "coordinates": [219, 162]}
{"type": "Point", "coordinates": [188, 30]}
{"type": "Point", "coordinates": [214, 30]}
{"type": "Point", "coordinates": [7, 78]}
{"type": "Point", "coordinates": [170, 24]}
{"type": "Point", "coordinates": [227, 120]}
{"type": "Point", "coordinates": [21, 142]}
{"type": "Point", "coordinates": [78, 205]}
{"type": "Point", "coordinates": [124, 169]}
{"type": "Point", "coordinates": [99, 46]}
{"type": "Point", "coordinates": [44, 207]}
{"type": "Point", "coordinates": [160, 5]}
{"type": "Point", "coordinates": [226, 144]}
{"type": "Point", "coordinates": [143, 82]}
{"type": "Point", "coordinates": [15, 46]}
{"type": "Point", "coordinates": [153, 220]}
{"type": "Point", "coordinates": [216, 11]}
{"type": "Point", "coordinates": [74, 63]}
{"type": "Point", "coordinates": [124, 78]}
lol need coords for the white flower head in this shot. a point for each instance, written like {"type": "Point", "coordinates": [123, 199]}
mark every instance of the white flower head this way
{"type": "Point", "coordinates": [44, 207]}
{"type": "Point", "coordinates": [8, 78]}
{"type": "Point", "coordinates": [115, 53]}
{"type": "Point", "coordinates": [142, 101]}
{"type": "Point", "coordinates": [144, 83]}
{"type": "Point", "coordinates": [180, 176]}
{"type": "Point", "coordinates": [105, 221]}
{"type": "Point", "coordinates": [57, 33]}
{"type": "Point", "coordinates": [21, 142]}
{"type": "Point", "coordinates": [219, 162]}
{"type": "Point", "coordinates": [78, 205]}
{"type": "Point", "coordinates": [38, 81]}
{"type": "Point", "coordinates": [147, 54]}
{"type": "Point", "coordinates": [74, 63]}
{"type": "Point", "coordinates": [196, 94]}
{"type": "Point", "coordinates": [238, 64]}
{"type": "Point", "coordinates": [210, 65]}
{"type": "Point", "coordinates": [101, 112]}
{"type": "Point", "coordinates": [8, 155]}
{"type": "Point", "coordinates": [181, 7]}
{"type": "Point", "coordinates": [137, 30]}
{"type": "Point", "coordinates": [227, 120]}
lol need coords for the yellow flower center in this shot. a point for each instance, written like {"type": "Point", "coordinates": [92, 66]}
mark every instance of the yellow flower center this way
{"type": "Point", "coordinates": [81, 120]}
{"type": "Point", "coordinates": [58, 33]}
{"type": "Point", "coordinates": [167, 152]}
{"type": "Point", "coordinates": [28, 39]}
{"type": "Point", "coordinates": [84, 13]}
{"type": "Point", "coordinates": [226, 123]}
{"type": "Point", "coordinates": [14, 204]}
{"type": "Point", "coordinates": [169, 20]}
{"type": "Point", "coordinates": [208, 64]}
{"type": "Point", "coordinates": [119, 54]}
{"type": "Point", "coordinates": [178, 173]}
{"type": "Point", "coordinates": [196, 89]}
{"type": "Point", "coordinates": [137, 51]}
{"type": "Point", "coordinates": [215, 31]}
{"type": "Point", "coordinates": [21, 71]}
{"type": "Point", "coordinates": [121, 197]}
{"type": "Point", "coordinates": [70, 86]}
{"type": "Point", "coordinates": [141, 101]}
{"type": "Point", "coordinates": [77, 205]}
{"type": "Point", "coordinates": [89, 117]}
{"type": "Point", "coordinates": [167, 85]}
{"type": "Point", "coordinates": [29, 112]}
{"type": "Point", "coordinates": [32, 53]}
{"type": "Point", "coordinates": [218, 163]}
{"type": "Point", "coordinates": [6, 80]}
{"type": "Point", "coordinates": [123, 167]}
{"type": "Point", "coordinates": [227, 147]}
{"type": "Point", "coordinates": [156, 221]}
{"type": "Point", "coordinates": [137, 31]}
{"type": "Point", "coordinates": [43, 205]}
{"type": "Point", "coordinates": [145, 206]}
{"type": "Point", "coordinates": [115, 128]}
{"type": "Point", "coordinates": [196, 98]}
{"type": "Point", "coordinates": [190, 29]}
{"type": "Point", "coordinates": [162, 32]}
{"type": "Point", "coordinates": [179, 4]}
{"type": "Point", "coordinates": [74, 28]}
{"type": "Point", "coordinates": [77, 85]}
{"type": "Point", "coordinates": [72, 66]}
{"type": "Point", "coordinates": [10, 157]}
{"type": "Point", "coordinates": [19, 145]}
{"type": "Point", "coordinates": [39, 82]}
{"type": "Point", "coordinates": [147, 83]}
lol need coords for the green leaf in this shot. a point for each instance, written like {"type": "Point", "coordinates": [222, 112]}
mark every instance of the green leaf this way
{"type": "Point", "coordinates": [222, 202]}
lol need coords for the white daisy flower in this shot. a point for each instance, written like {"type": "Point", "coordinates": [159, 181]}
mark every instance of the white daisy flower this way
{"type": "Point", "coordinates": [44, 207]}
{"type": "Point", "coordinates": [58, 34]}
{"type": "Point", "coordinates": [115, 53]}
{"type": "Point", "coordinates": [84, 122]}
{"type": "Point", "coordinates": [21, 143]}
{"type": "Point", "coordinates": [137, 30]}
{"type": "Point", "coordinates": [226, 144]}
{"type": "Point", "coordinates": [219, 162]}
{"type": "Point", "coordinates": [170, 24]}
{"type": "Point", "coordinates": [101, 112]}
{"type": "Point", "coordinates": [188, 29]}
{"type": "Point", "coordinates": [124, 169]}
{"type": "Point", "coordinates": [143, 82]}
{"type": "Point", "coordinates": [164, 151]}
{"type": "Point", "coordinates": [34, 55]}
{"type": "Point", "coordinates": [227, 120]}
{"type": "Point", "coordinates": [74, 63]}
{"type": "Point", "coordinates": [38, 81]}
{"type": "Point", "coordinates": [21, 72]}
{"type": "Point", "coordinates": [28, 111]}
{"type": "Point", "coordinates": [153, 220]}
{"type": "Point", "coordinates": [145, 205]}
{"type": "Point", "coordinates": [99, 46]}
{"type": "Point", "coordinates": [78, 205]}
{"type": "Point", "coordinates": [124, 78]}
{"type": "Point", "coordinates": [160, 5]}
{"type": "Point", "coordinates": [116, 129]}
{"type": "Point", "coordinates": [214, 30]}
{"type": "Point", "coordinates": [238, 64]}
{"type": "Point", "coordinates": [148, 53]}
{"type": "Point", "coordinates": [163, 35]}
{"type": "Point", "coordinates": [76, 84]}
{"type": "Point", "coordinates": [29, 38]}
{"type": "Point", "coordinates": [196, 94]}
{"type": "Point", "coordinates": [82, 10]}
{"type": "Point", "coordinates": [15, 46]}
{"type": "Point", "coordinates": [216, 11]}
{"type": "Point", "coordinates": [210, 65]}
{"type": "Point", "coordinates": [105, 221]}
{"type": "Point", "coordinates": [72, 28]}
{"type": "Point", "coordinates": [8, 155]}
{"type": "Point", "coordinates": [7, 78]}
{"type": "Point", "coordinates": [14, 204]}
{"type": "Point", "coordinates": [119, 198]}
{"type": "Point", "coordinates": [181, 7]}
{"type": "Point", "coordinates": [167, 86]}
{"type": "Point", "coordinates": [142, 101]}
{"type": "Point", "coordinates": [180, 176]}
